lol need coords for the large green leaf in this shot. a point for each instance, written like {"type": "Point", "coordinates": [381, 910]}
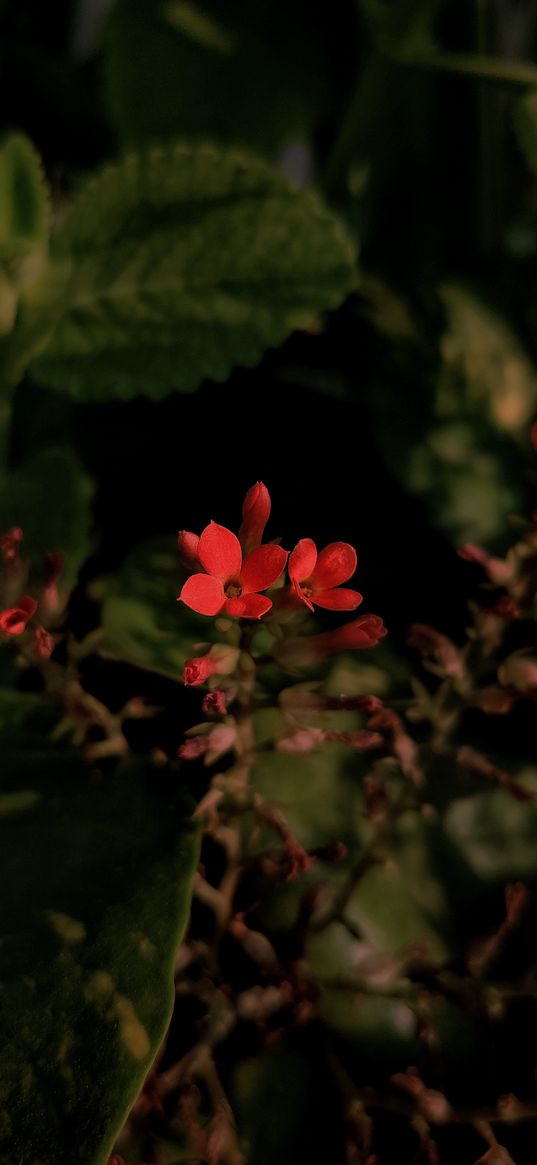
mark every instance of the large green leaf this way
{"type": "Point", "coordinates": [96, 874]}
{"type": "Point", "coordinates": [179, 264]}
{"type": "Point", "coordinates": [182, 68]}
{"type": "Point", "coordinates": [49, 496]}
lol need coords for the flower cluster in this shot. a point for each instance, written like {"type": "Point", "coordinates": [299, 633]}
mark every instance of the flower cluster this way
{"type": "Point", "coordinates": [231, 576]}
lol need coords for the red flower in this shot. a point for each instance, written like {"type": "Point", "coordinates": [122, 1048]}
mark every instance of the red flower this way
{"type": "Point", "coordinates": [13, 621]}
{"type": "Point", "coordinates": [255, 515]}
{"type": "Point", "coordinates": [188, 548]}
{"type": "Point", "coordinates": [314, 576]}
{"type": "Point", "coordinates": [230, 584]}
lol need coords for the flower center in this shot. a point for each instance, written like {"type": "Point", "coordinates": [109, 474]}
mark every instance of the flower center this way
{"type": "Point", "coordinates": [233, 590]}
{"type": "Point", "coordinates": [307, 591]}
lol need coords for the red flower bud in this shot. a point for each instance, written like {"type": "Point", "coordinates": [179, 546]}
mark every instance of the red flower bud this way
{"type": "Point", "coordinates": [13, 621]}
{"type": "Point", "coordinates": [221, 660]}
{"type": "Point", "coordinates": [255, 515]}
{"type": "Point", "coordinates": [188, 548]}
{"type": "Point", "coordinates": [364, 632]}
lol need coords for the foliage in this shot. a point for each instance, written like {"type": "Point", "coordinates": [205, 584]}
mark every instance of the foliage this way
{"type": "Point", "coordinates": [242, 241]}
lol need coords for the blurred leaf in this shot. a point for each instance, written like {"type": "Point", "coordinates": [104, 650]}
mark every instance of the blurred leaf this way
{"type": "Point", "coordinates": [96, 875]}
{"type": "Point", "coordinates": [494, 372]}
{"type": "Point", "coordinates": [318, 793]}
{"type": "Point", "coordinates": [23, 198]}
{"type": "Point", "coordinates": [251, 73]}
{"type": "Point", "coordinates": [49, 497]}
{"type": "Point", "coordinates": [142, 621]}
{"type": "Point", "coordinates": [495, 833]}
{"type": "Point", "coordinates": [468, 491]}
{"type": "Point", "coordinates": [293, 1085]}
{"type": "Point", "coordinates": [178, 265]}
{"type": "Point", "coordinates": [525, 126]}
{"type": "Point", "coordinates": [23, 224]}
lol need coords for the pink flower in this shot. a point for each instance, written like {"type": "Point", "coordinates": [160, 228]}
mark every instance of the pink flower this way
{"type": "Point", "coordinates": [315, 576]}
{"type": "Point", "coordinates": [13, 621]}
{"type": "Point", "coordinates": [255, 515]}
{"type": "Point", "coordinates": [230, 584]}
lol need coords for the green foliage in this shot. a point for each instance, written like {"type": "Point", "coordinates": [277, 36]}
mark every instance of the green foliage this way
{"type": "Point", "coordinates": [496, 833]}
{"type": "Point", "coordinates": [23, 197]}
{"type": "Point", "coordinates": [242, 73]}
{"type": "Point", "coordinates": [49, 497]}
{"type": "Point", "coordinates": [179, 264]}
{"type": "Point", "coordinates": [23, 223]}
{"type": "Point", "coordinates": [143, 624]}
{"type": "Point", "coordinates": [96, 883]}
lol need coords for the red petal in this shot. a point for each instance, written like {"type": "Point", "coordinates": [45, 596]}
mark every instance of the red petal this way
{"type": "Point", "coordinates": [262, 567]}
{"type": "Point", "coordinates": [341, 599]}
{"type": "Point", "coordinates": [248, 606]}
{"type": "Point", "coordinates": [203, 594]}
{"type": "Point", "coordinates": [255, 515]}
{"type": "Point", "coordinates": [335, 564]}
{"type": "Point", "coordinates": [219, 552]}
{"type": "Point", "coordinates": [302, 560]}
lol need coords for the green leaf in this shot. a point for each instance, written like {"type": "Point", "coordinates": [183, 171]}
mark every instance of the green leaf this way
{"type": "Point", "coordinates": [495, 833]}
{"type": "Point", "coordinates": [96, 876]}
{"type": "Point", "coordinates": [23, 224]}
{"type": "Point", "coordinates": [23, 197]}
{"type": "Point", "coordinates": [49, 497]}
{"type": "Point", "coordinates": [142, 621]}
{"type": "Point", "coordinates": [178, 265]}
{"type": "Point", "coordinates": [183, 68]}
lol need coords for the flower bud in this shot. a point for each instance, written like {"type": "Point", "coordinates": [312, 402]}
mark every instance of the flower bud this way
{"type": "Point", "coordinates": [519, 671]}
{"type": "Point", "coordinates": [364, 632]}
{"type": "Point", "coordinates": [255, 515]}
{"type": "Point", "coordinates": [214, 703]}
{"type": "Point", "coordinates": [498, 571]}
{"type": "Point", "coordinates": [44, 643]}
{"type": "Point", "coordinates": [188, 548]}
{"type": "Point", "coordinates": [221, 660]}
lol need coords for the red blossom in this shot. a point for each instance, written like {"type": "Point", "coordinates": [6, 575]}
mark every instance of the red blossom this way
{"type": "Point", "coordinates": [9, 544]}
{"type": "Point", "coordinates": [230, 584]}
{"type": "Point", "coordinates": [315, 577]}
{"type": "Point", "coordinates": [255, 515]}
{"type": "Point", "coordinates": [13, 620]}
